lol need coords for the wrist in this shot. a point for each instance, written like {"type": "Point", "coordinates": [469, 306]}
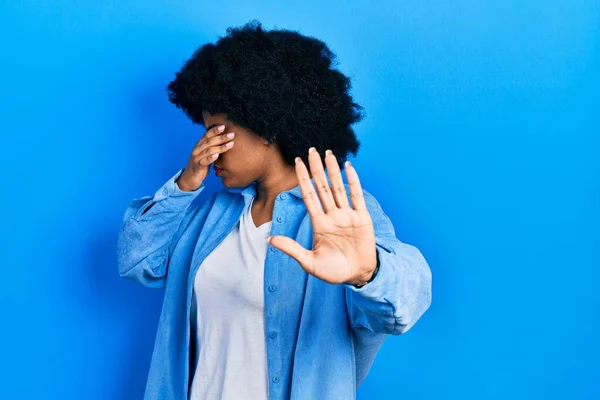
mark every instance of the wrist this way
{"type": "Point", "coordinates": [370, 279]}
{"type": "Point", "coordinates": [183, 186]}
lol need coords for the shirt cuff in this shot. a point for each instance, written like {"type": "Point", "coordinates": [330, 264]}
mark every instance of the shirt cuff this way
{"type": "Point", "coordinates": [383, 281]}
{"type": "Point", "coordinates": [170, 196]}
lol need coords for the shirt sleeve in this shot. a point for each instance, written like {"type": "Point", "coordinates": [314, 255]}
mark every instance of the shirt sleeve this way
{"type": "Point", "coordinates": [400, 293]}
{"type": "Point", "coordinates": [150, 227]}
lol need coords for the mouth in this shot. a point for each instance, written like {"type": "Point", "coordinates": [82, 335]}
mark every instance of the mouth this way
{"type": "Point", "coordinates": [217, 170]}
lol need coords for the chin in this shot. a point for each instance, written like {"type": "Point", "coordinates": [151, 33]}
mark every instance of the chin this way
{"type": "Point", "coordinates": [227, 183]}
{"type": "Point", "coordinates": [233, 184]}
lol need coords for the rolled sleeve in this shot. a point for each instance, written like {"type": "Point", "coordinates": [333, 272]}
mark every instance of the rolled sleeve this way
{"type": "Point", "coordinates": [400, 293]}
{"type": "Point", "coordinates": [169, 196]}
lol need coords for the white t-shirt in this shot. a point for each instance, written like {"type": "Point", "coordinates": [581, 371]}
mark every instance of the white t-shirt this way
{"type": "Point", "coordinates": [228, 317]}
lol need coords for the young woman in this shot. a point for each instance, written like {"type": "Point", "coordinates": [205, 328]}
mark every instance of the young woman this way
{"type": "Point", "coordinates": [285, 283]}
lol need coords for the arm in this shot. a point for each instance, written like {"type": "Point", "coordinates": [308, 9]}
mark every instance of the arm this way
{"type": "Point", "coordinates": [150, 228]}
{"type": "Point", "coordinates": [400, 291]}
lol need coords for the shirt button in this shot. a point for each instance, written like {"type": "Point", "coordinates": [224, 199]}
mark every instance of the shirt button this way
{"type": "Point", "coordinates": [282, 196]}
{"type": "Point", "coordinates": [165, 191]}
{"type": "Point", "coordinates": [279, 219]}
{"type": "Point", "coordinates": [272, 288]}
{"type": "Point", "coordinates": [275, 379]}
{"type": "Point", "coordinates": [272, 248]}
{"type": "Point", "coordinates": [273, 334]}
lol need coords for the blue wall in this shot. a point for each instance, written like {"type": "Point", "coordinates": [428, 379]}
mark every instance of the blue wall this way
{"type": "Point", "coordinates": [480, 141]}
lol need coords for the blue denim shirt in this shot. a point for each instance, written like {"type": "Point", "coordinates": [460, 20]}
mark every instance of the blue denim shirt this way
{"type": "Point", "coordinates": [321, 338]}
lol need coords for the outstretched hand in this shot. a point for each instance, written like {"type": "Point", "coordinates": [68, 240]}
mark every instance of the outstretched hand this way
{"type": "Point", "coordinates": [344, 249]}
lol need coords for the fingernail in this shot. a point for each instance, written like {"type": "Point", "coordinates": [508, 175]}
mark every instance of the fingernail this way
{"type": "Point", "coordinates": [215, 155]}
{"type": "Point", "coordinates": [296, 160]}
{"type": "Point", "coordinates": [231, 134]}
{"type": "Point", "coordinates": [311, 150]}
{"type": "Point", "coordinates": [328, 152]}
{"type": "Point", "coordinates": [221, 128]}
{"type": "Point", "coordinates": [347, 163]}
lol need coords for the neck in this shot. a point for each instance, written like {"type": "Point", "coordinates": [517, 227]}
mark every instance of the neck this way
{"type": "Point", "coordinates": [276, 180]}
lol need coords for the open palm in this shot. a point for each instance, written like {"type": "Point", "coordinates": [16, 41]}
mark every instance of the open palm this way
{"type": "Point", "coordinates": [344, 248]}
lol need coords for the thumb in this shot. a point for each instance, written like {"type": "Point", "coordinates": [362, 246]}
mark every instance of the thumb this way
{"type": "Point", "coordinates": [293, 249]}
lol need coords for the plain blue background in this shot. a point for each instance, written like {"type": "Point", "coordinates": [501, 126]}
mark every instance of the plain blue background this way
{"type": "Point", "coordinates": [480, 141]}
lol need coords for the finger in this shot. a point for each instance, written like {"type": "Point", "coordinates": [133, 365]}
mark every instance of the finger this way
{"type": "Point", "coordinates": [212, 132]}
{"type": "Point", "coordinates": [318, 173]}
{"type": "Point", "coordinates": [212, 150]}
{"type": "Point", "coordinates": [356, 193]}
{"type": "Point", "coordinates": [219, 139]}
{"type": "Point", "coordinates": [309, 195]}
{"type": "Point", "coordinates": [337, 183]}
{"type": "Point", "coordinates": [205, 159]}
{"type": "Point", "coordinates": [294, 249]}
{"type": "Point", "coordinates": [213, 141]}
{"type": "Point", "coordinates": [223, 147]}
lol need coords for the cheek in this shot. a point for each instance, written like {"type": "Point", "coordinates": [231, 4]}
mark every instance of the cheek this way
{"type": "Point", "coordinates": [241, 150]}
{"type": "Point", "coordinates": [243, 156]}
{"type": "Point", "coordinates": [232, 156]}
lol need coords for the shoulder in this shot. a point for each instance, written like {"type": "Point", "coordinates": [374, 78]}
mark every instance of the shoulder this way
{"type": "Point", "coordinates": [381, 221]}
{"type": "Point", "coordinates": [370, 200]}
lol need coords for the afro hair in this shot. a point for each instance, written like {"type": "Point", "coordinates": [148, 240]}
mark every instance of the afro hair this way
{"type": "Point", "coordinates": [280, 84]}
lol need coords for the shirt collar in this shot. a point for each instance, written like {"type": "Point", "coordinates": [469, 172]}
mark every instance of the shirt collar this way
{"type": "Point", "coordinates": [250, 190]}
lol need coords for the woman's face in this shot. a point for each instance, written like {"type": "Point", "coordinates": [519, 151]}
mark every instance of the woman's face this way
{"type": "Point", "coordinates": [247, 160]}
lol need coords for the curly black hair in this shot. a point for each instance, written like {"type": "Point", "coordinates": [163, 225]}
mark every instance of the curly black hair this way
{"type": "Point", "coordinates": [279, 83]}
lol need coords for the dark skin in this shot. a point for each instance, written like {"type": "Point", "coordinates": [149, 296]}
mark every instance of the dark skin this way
{"type": "Point", "coordinates": [344, 248]}
{"type": "Point", "coordinates": [253, 158]}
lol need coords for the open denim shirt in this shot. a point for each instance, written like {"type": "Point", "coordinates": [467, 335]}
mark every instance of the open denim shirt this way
{"type": "Point", "coordinates": [321, 338]}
